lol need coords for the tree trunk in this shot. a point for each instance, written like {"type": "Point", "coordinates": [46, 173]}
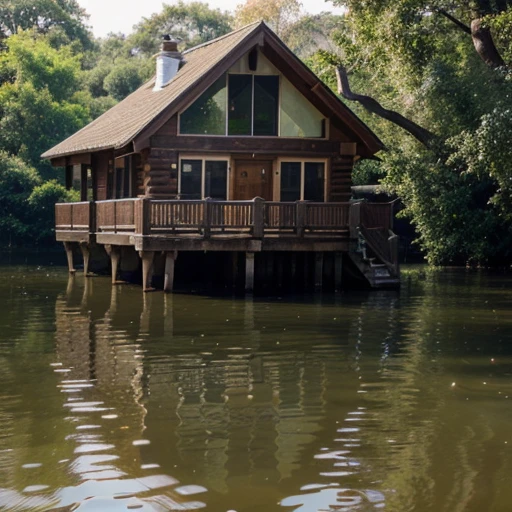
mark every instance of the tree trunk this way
{"type": "Point", "coordinates": [484, 44]}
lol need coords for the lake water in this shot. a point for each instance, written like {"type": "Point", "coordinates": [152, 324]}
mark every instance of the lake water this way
{"type": "Point", "coordinates": [115, 400]}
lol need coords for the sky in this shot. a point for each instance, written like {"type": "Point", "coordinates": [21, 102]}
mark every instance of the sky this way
{"type": "Point", "coordinates": [120, 15]}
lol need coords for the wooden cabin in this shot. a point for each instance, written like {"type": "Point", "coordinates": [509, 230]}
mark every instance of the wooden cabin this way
{"type": "Point", "coordinates": [235, 147]}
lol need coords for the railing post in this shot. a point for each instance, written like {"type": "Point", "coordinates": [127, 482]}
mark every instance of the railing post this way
{"type": "Point", "coordinates": [115, 216]}
{"type": "Point", "coordinates": [207, 220]}
{"type": "Point", "coordinates": [71, 218]}
{"type": "Point", "coordinates": [146, 216]}
{"type": "Point", "coordinates": [92, 217]}
{"type": "Point", "coordinates": [258, 227]}
{"type": "Point", "coordinates": [300, 221]}
{"type": "Point", "coordinates": [355, 218]}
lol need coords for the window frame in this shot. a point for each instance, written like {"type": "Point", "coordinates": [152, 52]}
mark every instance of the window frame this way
{"type": "Point", "coordinates": [203, 158]}
{"type": "Point", "coordinates": [280, 77]}
{"type": "Point", "coordinates": [303, 162]}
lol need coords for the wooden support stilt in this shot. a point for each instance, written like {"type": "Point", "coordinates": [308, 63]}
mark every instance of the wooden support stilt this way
{"type": "Point", "coordinates": [68, 246]}
{"type": "Point", "coordinates": [234, 269]}
{"type": "Point", "coordinates": [86, 254]}
{"type": "Point", "coordinates": [147, 269]}
{"type": "Point", "coordinates": [280, 270]}
{"type": "Point", "coordinates": [338, 271]}
{"type": "Point", "coordinates": [293, 270]}
{"type": "Point", "coordinates": [249, 271]}
{"type": "Point", "coordinates": [115, 257]}
{"type": "Point", "coordinates": [170, 259]}
{"type": "Point", "coordinates": [319, 271]}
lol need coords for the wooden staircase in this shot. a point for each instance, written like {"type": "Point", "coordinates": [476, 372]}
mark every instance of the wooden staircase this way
{"type": "Point", "coordinates": [375, 254]}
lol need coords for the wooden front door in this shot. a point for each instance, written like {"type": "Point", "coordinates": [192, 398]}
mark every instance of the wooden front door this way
{"type": "Point", "coordinates": [253, 178]}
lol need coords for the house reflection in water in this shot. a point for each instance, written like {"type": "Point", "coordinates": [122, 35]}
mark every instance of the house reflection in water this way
{"type": "Point", "coordinates": [219, 393]}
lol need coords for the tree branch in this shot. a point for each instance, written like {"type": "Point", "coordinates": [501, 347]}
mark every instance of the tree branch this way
{"type": "Point", "coordinates": [454, 20]}
{"type": "Point", "coordinates": [421, 134]}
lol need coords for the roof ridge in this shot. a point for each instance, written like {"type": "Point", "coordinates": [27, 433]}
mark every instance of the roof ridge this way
{"type": "Point", "coordinates": [229, 34]}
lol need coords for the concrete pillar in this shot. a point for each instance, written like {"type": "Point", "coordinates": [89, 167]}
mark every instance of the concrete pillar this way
{"type": "Point", "coordinates": [147, 269]}
{"type": "Point", "coordinates": [68, 246]}
{"type": "Point", "coordinates": [115, 257]}
{"type": "Point", "coordinates": [170, 259]}
{"type": "Point", "coordinates": [338, 271]}
{"type": "Point", "coordinates": [249, 271]}
{"type": "Point", "coordinates": [86, 254]}
{"type": "Point", "coordinates": [319, 270]}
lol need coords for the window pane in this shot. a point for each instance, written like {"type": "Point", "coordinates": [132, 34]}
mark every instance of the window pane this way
{"type": "Point", "coordinates": [207, 115]}
{"type": "Point", "coordinates": [240, 105]}
{"type": "Point", "coordinates": [314, 179]}
{"type": "Point", "coordinates": [216, 179]}
{"type": "Point", "coordinates": [299, 118]}
{"type": "Point", "coordinates": [290, 181]}
{"type": "Point", "coordinates": [190, 179]}
{"type": "Point", "coordinates": [266, 100]}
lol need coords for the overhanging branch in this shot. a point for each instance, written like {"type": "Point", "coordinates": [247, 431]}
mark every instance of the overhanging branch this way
{"type": "Point", "coordinates": [421, 134]}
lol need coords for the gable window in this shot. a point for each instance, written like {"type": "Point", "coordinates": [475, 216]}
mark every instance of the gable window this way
{"type": "Point", "coordinates": [253, 104]}
{"type": "Point", "coordinates": [248, 104]}
{"type": "Point", "coordinates": [303, 180]}
{"type": "Point", "coordinates": [207, 115]}
{"type": "Point", "coordinates": [201, 178]}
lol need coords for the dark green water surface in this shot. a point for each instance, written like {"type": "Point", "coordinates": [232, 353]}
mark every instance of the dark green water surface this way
{"type": "Point", "coordinates": [115, 400]}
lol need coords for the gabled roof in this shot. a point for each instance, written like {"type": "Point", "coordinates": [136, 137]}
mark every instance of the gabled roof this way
{"type": "Point", "coordinates": [144, 111]}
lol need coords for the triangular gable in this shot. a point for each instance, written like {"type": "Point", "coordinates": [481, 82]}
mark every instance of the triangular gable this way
{"type": "Point", "coordinates": [144, 112]}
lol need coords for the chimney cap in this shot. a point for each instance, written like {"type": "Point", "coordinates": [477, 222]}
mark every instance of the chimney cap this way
{"type": "Point", "coordinates": [167, 38]}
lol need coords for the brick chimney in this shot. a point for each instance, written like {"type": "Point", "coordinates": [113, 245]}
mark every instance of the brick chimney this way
{"type": "Point", "coordinates": [167, 62]}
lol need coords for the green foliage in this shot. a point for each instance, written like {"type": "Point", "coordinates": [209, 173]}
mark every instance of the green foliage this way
{"type": "Point", "coordinates": [125, 78]}
{"type": "Point", "coordinates": [486, 153]}
{"type": "Point", "coordinates": [17, 180]}
{"type": "Point", "coordinates": [44, 16]}
{"type": "Point", "coordinates": [192, 22]}
{"type": "Point", "coordinates": [312, 33]}
{"type": "Point", "coordinates": [411, 57]}
{"type": "Point", "coordinates": [42, 202]}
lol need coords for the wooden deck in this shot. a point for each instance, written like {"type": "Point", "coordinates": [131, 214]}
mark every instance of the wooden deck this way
{"type": "Point", "coordinates": [361, 230]}
{"type": "Point", "coordinates": [130, 221]}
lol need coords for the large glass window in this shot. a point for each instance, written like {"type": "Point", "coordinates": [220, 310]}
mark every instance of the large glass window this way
{"type": "Point", "coordinates": [303, 180]}
{"type": "Point", "coordinates": [216, 179]}
{"type": "Point", "coordinates": [201, 178]}
{"type": "Point", "coordinates": [191, 179]}
{"type": "Point", "coordinates": [207, 115]}
{"type": "Point", "coordinates": [314, 180]}
{"type": "Point", "coordinates": [290, 181]}
{"type": "Point", "coordinates": [266, 103]}
{"type": "Point", "coordinates": [240, 105]}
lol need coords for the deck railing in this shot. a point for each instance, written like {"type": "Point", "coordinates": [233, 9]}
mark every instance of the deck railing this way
{"type": "Point", "coordinates": [256, 218]}
{"type": "Point", "coordinates": [116, 216]}
{"type": "Point", "coordinates": [74, 217]}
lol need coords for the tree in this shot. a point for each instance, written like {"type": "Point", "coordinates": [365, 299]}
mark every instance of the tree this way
{"type": "Point", "coordinates": [43, 16]}
{"type": "Point", "coordinates": [17, 179]}
{"type": "Point", "coordinates": [41, 203]}
{"type": "Point", "coordinates": [194, 23]}
{"type": "Point", "coordinates": [439, 70]}
{"type": "Point", "coordinates": [38, 104]}
{"type": "Point", "coordinates": [278, 14]}
{"type": "Point", "coordinates": [313, 32]}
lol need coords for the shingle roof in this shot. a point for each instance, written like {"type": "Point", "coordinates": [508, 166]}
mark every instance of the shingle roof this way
{"type": "Point", "coordinates": [118, 126]}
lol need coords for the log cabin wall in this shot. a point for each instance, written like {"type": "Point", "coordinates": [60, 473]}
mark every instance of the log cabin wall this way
{"type": "Point", "coordinates": [161, 173]}
{"type": "Point", "coordinates": [161, 168]}
{"type": "Point", "coordinates": [100, 166]}
{"type": "Point", "coordinates": [341, 178]}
